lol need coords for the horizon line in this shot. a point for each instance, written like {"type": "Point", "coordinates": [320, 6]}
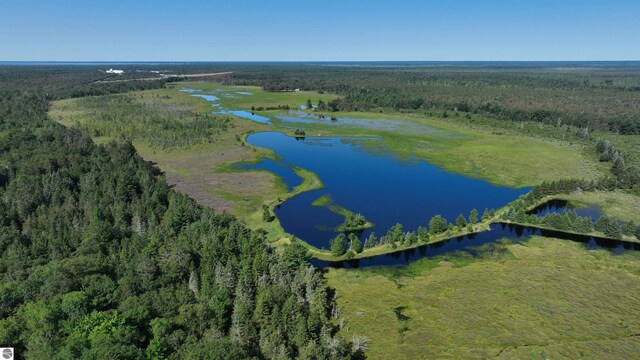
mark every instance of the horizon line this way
{"type": "Point", "coordinates": [301, 61]}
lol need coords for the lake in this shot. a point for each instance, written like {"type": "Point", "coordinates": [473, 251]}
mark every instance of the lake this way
{"type": "Point", "coordinates": [385, 189]}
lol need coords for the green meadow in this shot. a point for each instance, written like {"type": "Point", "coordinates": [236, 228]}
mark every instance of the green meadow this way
{"type": "Point", "coordinates": [540, 299]}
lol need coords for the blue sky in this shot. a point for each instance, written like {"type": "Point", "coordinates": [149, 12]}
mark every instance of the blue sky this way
{"type": "Point", "coordinates": [288, 30]}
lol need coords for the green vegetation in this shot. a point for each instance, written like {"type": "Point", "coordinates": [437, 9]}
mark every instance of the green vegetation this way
{"type": "Point", "coordinates": [617, 204]}
{"type": "Point", "coordinates": [254, 96]}
{"type": "Point", "coordinates": [544, 298]}
{"type": "Point", "coordinates": [524, 157]}
{"type": "Point", "coordinates": [139, 117]}
{"type": "Point", "coordinates": [337, 245]}
{"type": "Point", "coordinates": [438, 224]}
{"type": "Point", "coordinates": [604, 226]}
{"type": "Point", "coordinates": [352, 222]}
{"type": "Point", "coordinates": [474, 148]}
{"type": "Point", "coordinates": [599, 98]}
{"type": "Point", "coordinates": [198, 151]}
{"type": "Point", "coordinates": [101, 259]}
{"type": "Point", "coordinates": [609, 227]}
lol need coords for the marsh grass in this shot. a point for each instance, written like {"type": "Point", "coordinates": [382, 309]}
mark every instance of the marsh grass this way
{"type": "Point", "coordinates": [542, 297]}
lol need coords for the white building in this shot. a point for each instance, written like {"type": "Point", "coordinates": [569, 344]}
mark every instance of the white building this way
{"type": "Point", "coordinates": [114, 71]}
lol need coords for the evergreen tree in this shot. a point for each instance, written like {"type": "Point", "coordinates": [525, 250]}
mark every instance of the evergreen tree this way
{"type": "Point", "coordinates": [355, 243]}
{"type": "Point", "coordinates": [322, 106]}
{"type": "Point", "coordinates": [266, 214]}
{"type": "Point", "coordinates": [337, 245]}
{"type": "Point", "coordinates": [473, 216]}
{"type": "Point", "coordinates": [110, 262]}
{"type": "Point", "coordinates": [423, 234]}
{"type": "Point", "coordinates": [461, 222]}
{"type": "Point", "coordinates": [371, 241]}
{"type": "Point", "coordinates": [437, 225]}
{"type": "Point", "coordinates": [629, 228]}
{"type": "Point", "coordinates": [485, 215]}
{"type": "Point", "coordinates": [394, 234]}
{"type": "Point", "coordinates": [608, 226]}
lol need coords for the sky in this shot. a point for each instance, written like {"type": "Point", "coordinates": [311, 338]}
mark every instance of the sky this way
{"type": "Point", "coordinates": [325, 30]}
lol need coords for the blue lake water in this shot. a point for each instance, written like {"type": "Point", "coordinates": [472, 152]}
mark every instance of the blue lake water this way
{"type": "Point", "coordinates": [245, 115]}
{"type": "Point", "coordinates": [560, 206]}
{"type": "Point", "coordinates": [211, 98]}
{"type": "Point", "coordinates": [384, 189]}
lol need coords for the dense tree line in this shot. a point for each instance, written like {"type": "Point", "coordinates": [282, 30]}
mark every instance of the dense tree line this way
{"type": "Point", "coordinates": [101, 259]}
{"type": "Point", "coordinates": [263, 108]}
{"type": "Point", "coordinates": [59, 82]}
{"type": "Point", "coordinates": [348, 243]}
{"type": "Point", "coordinates": [569, 186]}
{"type": "Point", "coordinates": [628, 174]}
{"type": "Point", "coordinates": [570, 221]}
{"type": "Point", "coordinates": [567, 221]}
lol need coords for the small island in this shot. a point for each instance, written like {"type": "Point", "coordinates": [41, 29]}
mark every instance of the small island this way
{"type": "Point", "coordinates": [352, 221]}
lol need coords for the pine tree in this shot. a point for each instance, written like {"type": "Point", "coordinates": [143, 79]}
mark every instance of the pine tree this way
{"type": "Point", "coordinates": [266, 214]}
{"type": "Point", "coordinates": [355, 244]}
{"type": "Point", "coordinates": [437, 225]}
{"type": "Point", "coordinates": [485, 215]}
{"type": "Point", "coordinates": [337, 245]}
{"type": "Point", "coordinates": [423, 234]}
{"type": "Point", "coordinates": [608, 226]}
{"type": "Point", "coordinates": [371, 241]}
{"type": "Point", "coordinates": [473, 216]}
{"type": "Point", "coordinates": [629, 228]}
{"type": "Point", "coordinates": [461, 222]}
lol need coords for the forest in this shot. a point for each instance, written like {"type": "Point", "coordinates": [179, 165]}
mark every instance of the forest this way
{"type": "Point", "coordinates": [594, 95]}
{"type": "Point", "coordinates": [102, 259]}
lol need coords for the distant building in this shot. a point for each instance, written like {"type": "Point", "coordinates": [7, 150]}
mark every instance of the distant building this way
{"type": "Point", "coordinates": [114, 71]}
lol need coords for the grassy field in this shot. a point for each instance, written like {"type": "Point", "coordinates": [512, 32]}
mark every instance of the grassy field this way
{"type": "Point", "coordinates": [543, 299]}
